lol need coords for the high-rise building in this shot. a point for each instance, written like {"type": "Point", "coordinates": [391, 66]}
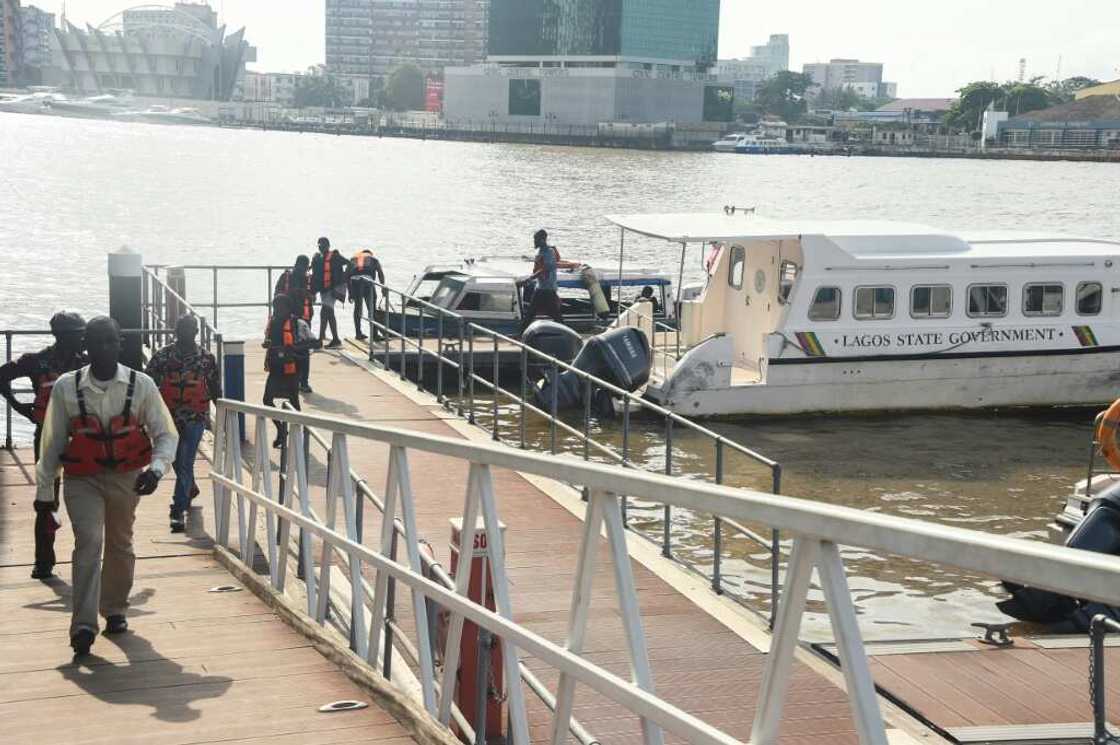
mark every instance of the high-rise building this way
{"type": "Point", "coordinates": [865, 78]}
{"type": "Point", "coordinates": [9, 41]}
{"type": "Point", "coordinates": [774, 53]}
{"type": "Point", "coordinates": [671, 31]}
{"type": "Point", "coordinates": [747, 73]}
{"type": "Point", "coordinates": [370, 37]}
{"type": "Point", "coordinates": [35, 43]}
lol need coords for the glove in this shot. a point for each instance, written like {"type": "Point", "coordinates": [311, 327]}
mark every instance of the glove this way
{"type": "Point", "coordinates": [46, 506]}
{"type": "Point", "coordinates": [146, 482]}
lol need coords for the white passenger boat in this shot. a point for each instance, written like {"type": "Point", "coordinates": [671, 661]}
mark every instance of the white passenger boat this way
{"type": "Point", "coordinates": [801, 316]}
{"type": "Point", "coordinates": [728, 143]}
{"type": "Point", "coordinates": [752, 144]}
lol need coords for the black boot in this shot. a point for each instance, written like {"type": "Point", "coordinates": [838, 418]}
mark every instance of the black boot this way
{"type": "Point", "coordinates": [177, 524]}
{"type": "Point", "coordinates": [80, 641]}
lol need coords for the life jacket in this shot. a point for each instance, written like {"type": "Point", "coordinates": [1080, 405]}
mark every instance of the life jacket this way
{"type": "Point", "coordinates": [328, 269]}
{"type": "Point", "coordinates": [361, 261]}
{"type": "Point", "coordinates": [44, 384]}
{"type": "Point", "coordinates": [93, 450]}
{"type": "Point", "coordinates": [185, 390]}
{"type": "Point", "coordinates": [286, 288]}
{"type": "Point", "coordinates": [287, 341]}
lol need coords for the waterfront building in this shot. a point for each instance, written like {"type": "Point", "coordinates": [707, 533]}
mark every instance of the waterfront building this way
{"type": "Point", "coordinates": [555, 63]}
{"type": "Point", "coordinates": [37, 27]}
{"type": "Point", "coordinates": [747, 73]}
{"type": "Point", "coordinates": [9, 41]}
{"type": "Point", "coordinates": [1090, 123]}
{"type": "Point", "coordinates": [865, 78]}
{"type": "Point", "coordinates": [174, 51]}
{"type": "Point", "coordinates": [368, 38]}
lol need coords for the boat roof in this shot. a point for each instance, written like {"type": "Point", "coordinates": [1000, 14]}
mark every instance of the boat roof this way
{"type": "Point", "coordinates": [877, 239]}
{"type": "Point", "coordinates": [521, 267]}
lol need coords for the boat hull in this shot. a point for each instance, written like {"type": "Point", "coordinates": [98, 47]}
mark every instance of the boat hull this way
{"type": "Point", "coordinates": [1056, 378]}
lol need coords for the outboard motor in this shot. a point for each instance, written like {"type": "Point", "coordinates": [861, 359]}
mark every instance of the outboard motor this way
{"type": "Point", "coordinates": [551, 338]}
{"type": "Point", "coordinates": [620, 356]}
{"type": "Point", "coordinates": [1099, 531]}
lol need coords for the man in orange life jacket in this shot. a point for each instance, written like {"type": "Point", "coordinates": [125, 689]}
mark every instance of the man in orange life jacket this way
{"type": "Point", "coordinates": [364, 264]}
{"type": "Point", "coordinates": [288, 340]}
{"type": "Point", "coordinates": [43, 368]}
{"type": "Point", "coordinates": [188, 380]}
{"type": "Point", "coordinates": [296, 284]}
{"type": "Point", "coordinates": [328, 278]}
{"type": "Point", "coordinates": [108, 429]}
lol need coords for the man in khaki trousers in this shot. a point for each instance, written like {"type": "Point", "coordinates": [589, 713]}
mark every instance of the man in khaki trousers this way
{"type": "Point", "coordinates": [109, 431]}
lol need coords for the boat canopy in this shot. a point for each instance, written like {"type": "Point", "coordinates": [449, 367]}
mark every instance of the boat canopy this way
{"type": "Point", "coordinates": [522, 267]}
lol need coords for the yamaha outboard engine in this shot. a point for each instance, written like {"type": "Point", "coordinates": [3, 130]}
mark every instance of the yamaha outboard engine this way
{"type": "Point", "coordinates": [1099, 531]}
{"type": "Point", "coordinates": [620, 357]}
{"type": "Point", "coordinates": [551, 338]}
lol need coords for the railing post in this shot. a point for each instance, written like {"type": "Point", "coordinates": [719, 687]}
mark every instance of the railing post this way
{"type": "Point", "coordinates": [775, 548]}
{"type": "Point", "coordinates": [524, 391]}
{"type": "Point", "coordinates": [7, 408]}
{"type": "Point", "coordinates": [587, 419]}
{"type": "Point", "coordinates": [420, 352]}
{"type": "Point", "coordinates": [439, 359]}
{"type": "Point", "coordinates": [554, 405]}
{"type": "Point", "coordinates": [495, 373]}
{"type": "Point", "coordinates": [232, 360]}
{"type": "Point", "coordinates": [625, 456]}
{"type": "Point", "coordinates": [404, 336]}
{"type": "Point", "coordinates": [177, 283]}
{"type": "Point", "coordinates": [214, 320]}
{"type": "Point", "coordinates": [459, 369]}
{"type": "Point", "coordinates": [717, 531]}
{"type": "Point", "coordinates": [666, 528]}
{"type": "Point", "coordinates": [470, 377]}
{"type": "Point", "coordinates": [390, 615]}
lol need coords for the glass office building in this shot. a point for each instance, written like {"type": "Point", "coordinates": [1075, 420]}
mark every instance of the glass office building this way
{"type": "Point", "coordinates": [671, 30]}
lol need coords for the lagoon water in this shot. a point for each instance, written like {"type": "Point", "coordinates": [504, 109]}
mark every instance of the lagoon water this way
{"type": "Point", "coordinates": [73, 190]}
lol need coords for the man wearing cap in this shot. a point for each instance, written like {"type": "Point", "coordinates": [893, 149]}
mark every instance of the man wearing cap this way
{"type": "Point", "coordinates": [328, 278]}
{"type": "Point", "coordinates": [43, 368]}
{"type": "Point", "coordinates": [108, 429]}
{"type": "Point", "coordinates": [546, 299]}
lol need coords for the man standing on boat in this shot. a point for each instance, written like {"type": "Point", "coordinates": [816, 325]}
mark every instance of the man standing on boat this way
{"type": "Point", "coordinates": [328, 278]}
{"type": "Point", "coordinates": [546, 299]}
{"type": "Point", "coordinates": [43, 368]}
{"type": "Point", "coordinates": [364, 264]}
{"type": "Point", "coordinates": [188, 380]}
{"type": "Point", "coordinates": [296, 284]}
{"type": "Point", "coordinates": [108, 429]}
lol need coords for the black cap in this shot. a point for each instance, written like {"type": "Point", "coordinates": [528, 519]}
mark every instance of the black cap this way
{"type": "Point", "coordinates": [67, 323]}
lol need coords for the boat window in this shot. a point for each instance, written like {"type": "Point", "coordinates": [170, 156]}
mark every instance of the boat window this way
{"type": "Point", "coordinates": [987, 301]}
{"type": "Point", "coordinates": [931, 301]}
{"type": "Point", "coordinates": [446, 292]}
{"type": "Point", "coordinates": [1089, 298]}
{"type": "Point", "coordinates": [874, 303]}
{"type": "Point", "coordinates": [826, 304]}
{"type": "Point", "coordinates": [498, 300]}
{"type": "Point", "coordinates": [787, 276]}
{"type": "Point", "coordinates": [1042, 300]}
{"type": "Point", "coordinates": [736, 267]}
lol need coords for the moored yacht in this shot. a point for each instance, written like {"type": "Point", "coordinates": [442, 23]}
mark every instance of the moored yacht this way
{"type": "Point", "coordinates": [798, 316]}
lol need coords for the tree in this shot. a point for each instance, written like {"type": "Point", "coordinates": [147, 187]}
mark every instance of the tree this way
{"type": "Point", "coordinates": [1013, 97]}
{"type": "Point", "coordinates": [404, 89]}
{"type": "Point", "coordinates": [317, 88]}
{"type": "Point", "coordinates": [1019, 98]}
{"type": "Point", "coordinates": [1064, 90]}
{"type": "Point", "coordinates": [783, 94]}
{"type": "Point", "coordinates": [847, 99]}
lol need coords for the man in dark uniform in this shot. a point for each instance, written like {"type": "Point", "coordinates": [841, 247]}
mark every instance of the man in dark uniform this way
{"type": "Point", "coordinates": [43, 368]}
{"type": "Point", "coordinates": [328, 278]}
{"type": "Point", "coordinates": [364, 264]}
{"type": "Point", "coordinates": [288, 340]}
{"type": "Point", "coordinates": [296, 284]}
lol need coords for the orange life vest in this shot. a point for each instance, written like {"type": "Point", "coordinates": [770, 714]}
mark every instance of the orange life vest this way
{"type": "Point", "coordinates": [43, 387]}
{"type": "Point", "coordinates": [286, 289]}
{"type": "Point", "coordinates": [185, 390]}
{"type": "Point", "coordinates": [287, 341]}
{"type": "Point", "coordinates": [360, 261]}
{"type": "Point", "coordinates": [92, 449]}
{"type": "Point", "coordinates": [328, 277]}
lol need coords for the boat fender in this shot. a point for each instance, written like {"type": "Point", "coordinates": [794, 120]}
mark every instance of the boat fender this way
{"type": "Point", "coordinates": [1107, 432]}
{"type": "Point", "coordinates": [594, 287]}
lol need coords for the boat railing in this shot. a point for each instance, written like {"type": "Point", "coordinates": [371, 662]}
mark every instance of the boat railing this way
{"type": "Point", "coordinates": [244, 498]}
{"type": "Point", "coordinates": [664, 339]}
{"type": "Point", "coordinates": [456, 344]}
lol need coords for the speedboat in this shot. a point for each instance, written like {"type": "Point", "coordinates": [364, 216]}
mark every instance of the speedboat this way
{"type": "Point", "coordinates": [159, 114]}
{"type": "Point", "coordinates": [94, 107]}
{"type": "Point", "coordinates": [799, 316]}
{"type": "Point", "coordinates": [494, 292]}
{"type": "Point", "coordinates": [38, 102]}
{"type": "Point", "coordinates": [729, 143]}
{"type": "Point", "coordinates": [763, 145]}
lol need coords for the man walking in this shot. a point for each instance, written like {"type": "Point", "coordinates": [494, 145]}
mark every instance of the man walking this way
{"type": "Point", "coordinates": [288, 341]}
{"type": "Point", "coordinates": [187, 377]}
{"type": "Point", "coordinates": [108, 429]}
{"type": "Point", "coordinates": [328, 278]}
{"type": "Point", "coordinates": [43, 368]}
{"type": "Point", "coordinates": [296, 284]}
{"type": "Point", "coordinates": [545, 298]}
{"type": "Point", "coordinates": [364, 264]}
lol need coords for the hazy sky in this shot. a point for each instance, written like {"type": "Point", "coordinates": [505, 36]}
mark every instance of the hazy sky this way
{"type": "Point", "coordinates": [928, 49]}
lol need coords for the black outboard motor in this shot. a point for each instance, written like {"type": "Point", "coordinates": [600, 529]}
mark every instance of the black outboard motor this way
{"type": "Point", "coordinates": [620, 356]}
{"type": "Point", "coordinates": [551, 338]}
{"type": "Point", "coordinates": [1099, 531]}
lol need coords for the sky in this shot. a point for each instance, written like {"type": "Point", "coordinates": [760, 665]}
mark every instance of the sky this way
{"type": "Point", "coordinates": [928, 49]}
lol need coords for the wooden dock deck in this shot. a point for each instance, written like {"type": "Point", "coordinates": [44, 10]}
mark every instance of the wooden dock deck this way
{"type": "Point", "coordinates": [196, 666]}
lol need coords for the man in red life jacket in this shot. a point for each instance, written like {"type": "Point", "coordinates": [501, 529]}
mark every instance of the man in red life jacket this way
{"type": "Point", "coordinates": [328, 278]}
{"type": "Point", "coordinates": [364, 264]}
{"type": "Point", "coordinates": [289, 341]}
{"type": "Point", "coordinates": [296, 284]}
{"type": "Point", "coordinates": [43, 368]}
{"type": "Point", "coordinates": [188, 380]}
{"type": "Point", "coordinates": [109, 431]}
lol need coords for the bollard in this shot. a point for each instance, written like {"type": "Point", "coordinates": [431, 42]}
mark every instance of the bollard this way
{"type": "Point", "coordinates": [233, 384]}
{"type": "Point", "coordinates": [126, 268]}
{"type": "Point", "coordinates": [480, 591]}
{"type": "Point", "coordinates": [177, 282]}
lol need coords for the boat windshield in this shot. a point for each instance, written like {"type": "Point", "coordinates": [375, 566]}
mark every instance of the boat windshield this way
{"type": "Point", "coordinates": [445, 294]}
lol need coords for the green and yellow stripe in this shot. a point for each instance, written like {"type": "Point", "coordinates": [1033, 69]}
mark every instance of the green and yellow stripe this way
{"type": "Point", "coordinates": [810, 344]}
{"type": "Point", "coordinates": [1085, 335]}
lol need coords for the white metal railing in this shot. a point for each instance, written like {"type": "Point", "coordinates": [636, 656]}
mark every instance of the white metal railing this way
{"type": "Point", "coordinates": [818, 529]}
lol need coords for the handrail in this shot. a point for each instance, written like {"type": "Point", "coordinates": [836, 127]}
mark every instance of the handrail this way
{"type": "Point", "coordinates": [819, 530]}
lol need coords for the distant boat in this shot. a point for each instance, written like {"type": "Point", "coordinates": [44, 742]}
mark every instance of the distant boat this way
{"type": "Point", "coordinates": [159, 114]}
{"type": "Point", "coordinates": [94, 107]}
{"type": "Point", "coordinates": [31, 103]}
{"type": "Point", "coordinates": [729, 143]}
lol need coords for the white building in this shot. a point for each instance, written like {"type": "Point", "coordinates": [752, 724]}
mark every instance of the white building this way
{"type": "Point", "coordinates": [747, 73]}
{"type": "Point", "coordinates": [865, 78]}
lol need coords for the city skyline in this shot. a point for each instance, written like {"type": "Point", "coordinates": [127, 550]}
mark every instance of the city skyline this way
{"type": "Point", "coordinates": [923, 53]}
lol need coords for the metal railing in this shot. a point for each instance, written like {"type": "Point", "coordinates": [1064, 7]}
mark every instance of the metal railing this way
{"type": "Point", "coordinates": [160, 309]}
{"type": "Point", "coordinates": [818, 530]}
{"type": "Point", "coordinates": [1101, 626]}
{"type": "Point", "coordinates": [468, 339]}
